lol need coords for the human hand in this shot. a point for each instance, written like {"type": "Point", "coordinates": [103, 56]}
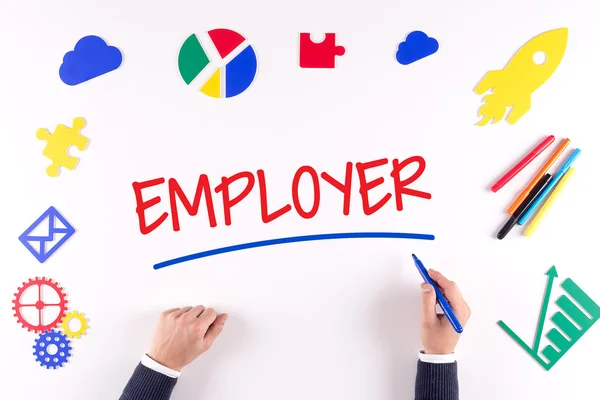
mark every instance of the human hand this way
{"type": "Point", "coordinates": [183, 334]}
{"type": "Point", "coordinates": [437, 335]}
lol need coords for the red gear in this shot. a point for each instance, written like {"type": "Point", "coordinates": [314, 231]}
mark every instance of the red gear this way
{"type": "Point", "coordinates": [40, 305]}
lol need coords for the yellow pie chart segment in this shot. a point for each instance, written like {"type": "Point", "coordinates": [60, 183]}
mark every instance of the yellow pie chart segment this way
{"type": "Point", "coordinates": [212, 87]}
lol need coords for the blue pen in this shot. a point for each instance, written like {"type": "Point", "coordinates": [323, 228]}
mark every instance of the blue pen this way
{"type": "Point", "coordinates": [540, 199]}
{"type": "Point", "coordinates": [439, 296]}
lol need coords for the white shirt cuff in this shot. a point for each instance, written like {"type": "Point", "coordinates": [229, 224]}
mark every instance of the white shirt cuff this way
{"type": "Point", "coordinates": [437, 358]}
{"type": "Point", "coordinates": [150, 363]}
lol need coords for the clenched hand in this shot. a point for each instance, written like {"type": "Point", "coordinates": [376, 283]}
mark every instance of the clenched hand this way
{"type": "Point", "coordinates": [183, 334]}
{"type": "Point", "coordinates": [437, 335]}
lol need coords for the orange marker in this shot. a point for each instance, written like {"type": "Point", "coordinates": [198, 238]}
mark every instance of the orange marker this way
{"type": "Point", "coordinates": [563, 145]}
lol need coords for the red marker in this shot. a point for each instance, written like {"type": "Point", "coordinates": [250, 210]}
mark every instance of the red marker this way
{"type": "Point", "coordinates": [537, 150]}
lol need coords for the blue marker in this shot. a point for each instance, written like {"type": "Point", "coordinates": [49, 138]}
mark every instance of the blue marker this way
{"type": "Point", "coordinates": [540, 199]}
{"type": "Point", "coordinates": [439, 296]}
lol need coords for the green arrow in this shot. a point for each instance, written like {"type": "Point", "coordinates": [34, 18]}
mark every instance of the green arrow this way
{"type": "Point", "coordinates": [552, 274]}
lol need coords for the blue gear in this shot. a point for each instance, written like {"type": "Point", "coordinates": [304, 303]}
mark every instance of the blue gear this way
{"type": "Point", "coordinates": [62, 343]}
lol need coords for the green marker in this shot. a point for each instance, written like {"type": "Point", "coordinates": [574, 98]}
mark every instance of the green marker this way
{"type": "Point", "coordinates": [572, 331]}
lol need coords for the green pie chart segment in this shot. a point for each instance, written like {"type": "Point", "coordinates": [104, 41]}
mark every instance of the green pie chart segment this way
{"type": "Point", "coordinates": [192, 59]}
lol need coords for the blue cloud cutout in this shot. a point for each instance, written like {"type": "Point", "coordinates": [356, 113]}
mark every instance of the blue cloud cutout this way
{"type": "Point", "coordinates": [91, 58]}
{"type": "Point", "coordinates": [416, 46]}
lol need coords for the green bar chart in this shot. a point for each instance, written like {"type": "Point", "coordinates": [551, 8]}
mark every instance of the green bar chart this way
{"type": "Point", "coordinates": [575, 317]}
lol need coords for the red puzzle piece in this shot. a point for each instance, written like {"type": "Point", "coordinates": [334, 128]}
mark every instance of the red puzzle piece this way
{"type": "Point", "coordinates": [319, 55]}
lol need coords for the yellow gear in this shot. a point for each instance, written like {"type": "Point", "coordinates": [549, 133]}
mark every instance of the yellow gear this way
{"type": "Point", "coordinates": [64, 325]}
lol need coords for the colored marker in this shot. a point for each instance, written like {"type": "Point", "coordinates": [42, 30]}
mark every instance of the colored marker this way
{"type": "Point", "coordinates": [439, 296]}
{"type": "Point", "coordinates": [537, 150]}
{"type": "Point", "coordinates": [548, 204]}
{"type": "Point", "coordinates": [551, 160]}
{"type": "Point", "coordinates": [512, 221]}
{"type": "Point", "coordinates": [561, 172]}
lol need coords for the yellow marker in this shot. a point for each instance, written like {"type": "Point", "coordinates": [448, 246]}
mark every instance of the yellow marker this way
{"type": "Point", "coordinates": [513, 85]}
{"type": "Point", "coordinates": [548, 204]}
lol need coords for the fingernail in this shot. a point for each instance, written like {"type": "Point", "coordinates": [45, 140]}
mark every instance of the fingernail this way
{"type": "Point", "coordinates": [427, 288]}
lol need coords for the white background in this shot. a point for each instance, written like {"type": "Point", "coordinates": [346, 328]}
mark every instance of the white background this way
{"type": "Point", "coordinates": [316, 320]}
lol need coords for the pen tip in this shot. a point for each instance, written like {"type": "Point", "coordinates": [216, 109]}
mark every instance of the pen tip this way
{"type": "Point", "coordinates": [414, 257]}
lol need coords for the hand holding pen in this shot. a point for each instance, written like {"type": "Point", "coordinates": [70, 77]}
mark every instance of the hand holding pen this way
{"type": "Point", "coordinates": [438, 335]}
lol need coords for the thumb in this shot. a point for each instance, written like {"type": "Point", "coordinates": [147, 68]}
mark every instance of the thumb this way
{"type": "Point", "coordinates": [428, 300]}
{"type": "Point", "coordinates": [215, 329]}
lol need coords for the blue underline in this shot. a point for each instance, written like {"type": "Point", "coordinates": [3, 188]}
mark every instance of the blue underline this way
{"type": "Point", "coordinates": [294, 239]}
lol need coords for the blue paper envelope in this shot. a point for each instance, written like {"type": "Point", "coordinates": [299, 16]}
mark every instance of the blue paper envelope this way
{"type": "Point", "coordinates": [59, 231]}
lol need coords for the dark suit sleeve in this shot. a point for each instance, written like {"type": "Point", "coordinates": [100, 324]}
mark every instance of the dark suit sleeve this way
{"type": "Point", "coordinates": [436, 381]}
{"type": "Point", "coordinates": [147, 384]}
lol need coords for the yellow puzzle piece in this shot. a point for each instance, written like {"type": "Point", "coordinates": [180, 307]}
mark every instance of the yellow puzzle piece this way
{"type": "Point", "coordinates": [513, 85]}
{"type": "Point", "coordinates": [57, 148]}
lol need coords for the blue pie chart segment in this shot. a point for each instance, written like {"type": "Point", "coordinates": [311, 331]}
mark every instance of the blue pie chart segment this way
{"type": "Point", "coordinates": [240, 72]}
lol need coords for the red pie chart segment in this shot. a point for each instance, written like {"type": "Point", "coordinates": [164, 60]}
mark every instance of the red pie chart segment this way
{"type": "Point", "coordinates": [225, 40]}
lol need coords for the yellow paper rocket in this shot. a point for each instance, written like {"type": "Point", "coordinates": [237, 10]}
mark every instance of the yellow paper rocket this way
{"type": "Point", "coordinates": [513, 85]}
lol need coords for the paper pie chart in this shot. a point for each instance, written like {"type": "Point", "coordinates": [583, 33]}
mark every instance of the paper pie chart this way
{"type": "Point", "coordinates": [221, 65]}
